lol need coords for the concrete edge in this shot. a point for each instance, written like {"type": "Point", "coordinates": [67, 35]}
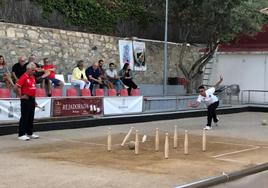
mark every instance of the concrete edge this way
{"type": "Point", "coordinates": [60, 124]}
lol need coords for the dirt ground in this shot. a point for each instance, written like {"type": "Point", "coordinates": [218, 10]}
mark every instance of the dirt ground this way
{"type": "Point", "coordinates": [83, 161]}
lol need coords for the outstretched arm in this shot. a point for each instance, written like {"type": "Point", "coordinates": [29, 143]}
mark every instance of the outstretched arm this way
{"type": "Point", "coordinates": [218, 83]}
{"type": "Point", "coordinates": [194, 104]}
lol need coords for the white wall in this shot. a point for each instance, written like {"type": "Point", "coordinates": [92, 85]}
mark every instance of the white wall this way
{"type": "Point", "coordinates": [249, 71]}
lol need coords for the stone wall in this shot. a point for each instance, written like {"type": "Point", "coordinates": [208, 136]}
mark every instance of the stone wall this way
{"type": "Point", "coordinates": [64, 48]}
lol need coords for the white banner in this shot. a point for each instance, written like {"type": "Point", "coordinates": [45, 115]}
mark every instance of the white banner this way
{"type": "Point", "coordinates": [10, 109]}
{"type": "Point", "coordinates": [126, 53]}
{"type": "Point", "coordinates": [122, 105]}
{"type": "Point", "coordinates": [139, 56]}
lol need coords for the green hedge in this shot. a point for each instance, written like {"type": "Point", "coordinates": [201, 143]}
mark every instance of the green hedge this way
{"type": "Point", "coordinates": [98, 15]}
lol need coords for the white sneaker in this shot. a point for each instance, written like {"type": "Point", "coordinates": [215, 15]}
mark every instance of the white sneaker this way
{"type": "Point", "coordinates": [34, 136]}
{"type": "Point", "coordinates": [207, 128]}
{"type": "Point", "coordinates": [24, 138]}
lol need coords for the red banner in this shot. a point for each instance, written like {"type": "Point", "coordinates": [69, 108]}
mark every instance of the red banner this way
{"type": "Point", "coordinates": [77, 106]}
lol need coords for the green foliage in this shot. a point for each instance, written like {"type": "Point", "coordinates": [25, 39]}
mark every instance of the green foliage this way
{"type": "Point", "coordinates": [205, 21]}
{"type": "Point", "coordinates": [217, 20]}
{"type": "Point", "coordinates": [213, 21]}
{"type": "Point", "coordinates": [2, 2]}
{"type": "Point", "coordinates": [97, 15]}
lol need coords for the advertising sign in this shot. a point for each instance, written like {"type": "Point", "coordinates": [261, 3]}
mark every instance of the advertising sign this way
{"type": "Point", "coordinates": [126, 53]}
{"type": "Point", "coordinates": [139, 56]}
{"type": "Point", "coordinates": [77, 106]}
{"type": "Point", "coordinates": [122, 105]}
{"type": "Point", "coordinates": [10, 109]}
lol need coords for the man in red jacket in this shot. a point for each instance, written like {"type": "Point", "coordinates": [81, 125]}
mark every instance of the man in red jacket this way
{"type": "Point", "coordinates": [25, 90]}
{"type": "Point", "coordinates": [51, 76]}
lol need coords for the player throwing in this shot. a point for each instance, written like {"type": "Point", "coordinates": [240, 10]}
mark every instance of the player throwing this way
{"type": "Point", "coordinates": [211, 101]}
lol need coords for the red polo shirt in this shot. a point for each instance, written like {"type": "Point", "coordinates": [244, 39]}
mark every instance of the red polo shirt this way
{"type": "Point", "coordinates": [49, 66]}
{"type": "Point", "coordinates": [27, 85]}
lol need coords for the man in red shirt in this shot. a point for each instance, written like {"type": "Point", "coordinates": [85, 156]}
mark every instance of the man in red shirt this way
{"type": "Point", "coordinates": [25, 89]}
{"type": "Point", "coordinates": [51, 77]}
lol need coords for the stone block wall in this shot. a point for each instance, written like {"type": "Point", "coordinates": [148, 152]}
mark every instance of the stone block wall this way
{"type": "Point", "coordinates": [64, 48]}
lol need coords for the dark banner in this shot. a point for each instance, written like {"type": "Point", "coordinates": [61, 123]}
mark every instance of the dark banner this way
{"type": "Point", "coordinates": [77, 106]}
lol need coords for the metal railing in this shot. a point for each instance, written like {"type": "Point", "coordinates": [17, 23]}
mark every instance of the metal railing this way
{"type": "Point", "coordinates": [254, 97]}
{"type": "Point", "coordinates": [168, 103]}
{"type": "Point", "coordinates": [226, 179]}
{"type": "Point", "coordinates": [227, 94]}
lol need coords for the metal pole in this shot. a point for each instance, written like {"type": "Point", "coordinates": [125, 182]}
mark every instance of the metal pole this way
{"type": "Point", "coordinates": [225, 178]}
{"type": "Point", "coordinates": [165, 53]}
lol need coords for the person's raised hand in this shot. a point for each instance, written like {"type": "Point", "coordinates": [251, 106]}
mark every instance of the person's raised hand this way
{"type": "Point", "coordinates": [221, 78]}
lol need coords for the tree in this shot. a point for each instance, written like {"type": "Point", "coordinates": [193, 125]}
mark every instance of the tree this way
{"type": "Point", "coordinates": [216, 22]}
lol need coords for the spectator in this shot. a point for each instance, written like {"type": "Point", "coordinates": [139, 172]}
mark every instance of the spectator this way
{"type": "Point", "coordinates": [114, 78]}
{"type": "Point", "coordinates": [18, 69]}
{"type": "Point", "coordinates": [5, 76]}
{"type": "Point", "coordinates": [25, 90]}
{"type": "Point", "coordinates": [126, 76]}
{"type": "Point", "coordinates": [40, 74]}
{"type": "Point", "coordinates": [51, 77]}
{"type": "Point", "coordinates": [94, 76]}
{"type": "Point", "coordinates": [105, 81]}
{"type": "Point", "coordinates": [79, 77]}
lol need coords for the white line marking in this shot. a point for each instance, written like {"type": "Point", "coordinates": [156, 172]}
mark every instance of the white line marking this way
{"type": "Point", "coordinates": [87, 143]}
{"type": "Point", "coordinates": [235, 152]}
{"type": "Point", "coordinates": [76, 141]}
{"type": "Point", "coordinates": [235, 144]}
{"type": "Point", "coordinates": [233, 161]}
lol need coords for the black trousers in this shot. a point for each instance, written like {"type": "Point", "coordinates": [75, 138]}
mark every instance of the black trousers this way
{"type": "Point", "coordinates": [130, 84]}
{"type": "Point", "coordinates": [27, 116]}
{"type": "Point", "coordinates": [211, 113]}
{"type": "Point", "coordinates": [92, 85]}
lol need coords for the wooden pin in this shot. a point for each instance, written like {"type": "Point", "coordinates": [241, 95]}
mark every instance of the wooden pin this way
{"type": "Point", "coordinates": [109, 140]}
{"type": "Point", "coordinates": [137, 142]}
{"type": "Point", "coordinates": [204, 141]}
{"type": "Point", "coordinates": [175, 144]}
{"type": "Point", "coordinates": [166, 147]}
{"type": "Point", "coordinates": [157, 140]}
{"type": "Point", "coordinates": [127, 136]}
{"type": "Point", "coordinates": [186, 143]}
